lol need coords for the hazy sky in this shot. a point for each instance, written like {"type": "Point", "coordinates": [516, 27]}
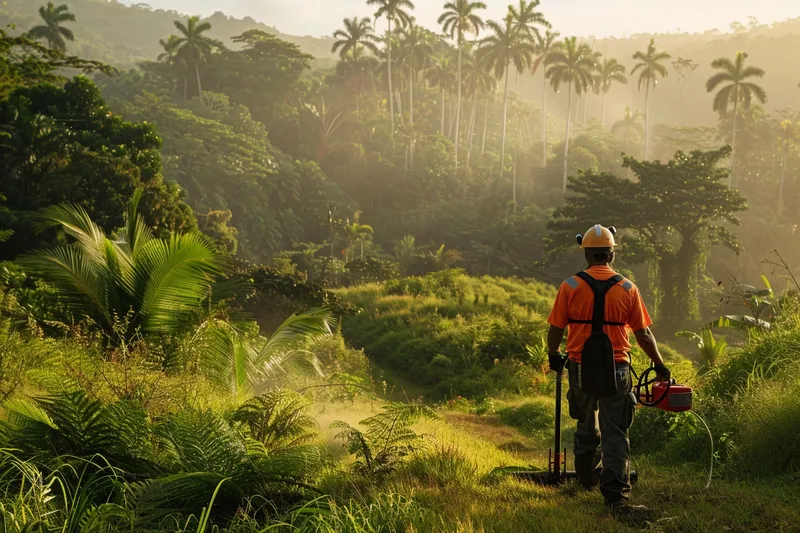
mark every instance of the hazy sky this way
{"type": "Point", "coordinates": [579, 17]}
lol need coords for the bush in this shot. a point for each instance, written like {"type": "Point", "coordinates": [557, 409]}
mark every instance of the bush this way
{"type": "Point", "coordinates": [530, 417]}
{"type": "Point", "coordinates": [767, 441]}
{"type": "Point", "coordinates": [443, 467]}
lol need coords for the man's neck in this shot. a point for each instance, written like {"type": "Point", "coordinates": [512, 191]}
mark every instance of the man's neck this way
{"type": "Point", "coordinates": [604, 265]}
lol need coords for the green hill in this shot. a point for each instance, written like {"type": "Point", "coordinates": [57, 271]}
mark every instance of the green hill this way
{"type": "Point", "coordinates": [123, 35]}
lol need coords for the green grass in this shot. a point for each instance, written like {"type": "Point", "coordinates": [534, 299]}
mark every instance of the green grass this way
{"type": "Point", "coordinates": [449, 334]}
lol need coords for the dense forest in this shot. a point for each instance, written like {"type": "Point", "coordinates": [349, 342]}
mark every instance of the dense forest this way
{"type": "Point", "coordinates": [215, 237]}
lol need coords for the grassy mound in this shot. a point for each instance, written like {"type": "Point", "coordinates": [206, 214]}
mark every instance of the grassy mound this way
{"type": "Point", "coordinates": [449, 334]}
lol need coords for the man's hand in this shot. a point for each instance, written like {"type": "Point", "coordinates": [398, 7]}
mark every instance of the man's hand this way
{"type": "Point", "coordinates": [557, 362]}
{"type": "Point", "coordinates": [662, 372]}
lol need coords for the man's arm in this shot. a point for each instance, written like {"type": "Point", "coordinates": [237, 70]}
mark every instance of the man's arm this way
{"type": "Point", "coordinates": [647, 342]}
{"type": "Point", "coordinates": [554, 337]}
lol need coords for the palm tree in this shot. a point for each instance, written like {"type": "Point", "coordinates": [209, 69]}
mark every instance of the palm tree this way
{"type": "Point", "coordinates": [478, 82]}
{"type": "Point", "coordinates": [356, 232]}
{"type": "Point", "coordinates": [649, 69]}
{"type": "Point", "coordinates": [526, 18]}
{"type": "Point", "coordinates": [545, 44]}
{"type": "Point", "coordinates": [734, 75]}
{"type": "Point", "coordinates": [629, 128]}
{"type": "Point", "coordinates": [393, 11]}
{"type": "Point", "coordinates": [355, 37]}
{"type": "Point", "coordinates": [52, 31]}
{"type": "Point", "coordinates": [458, 19]}
{"type": "Point", "coordinates": [440, 74]}
{"type": "Point", "coordinates": [608, 72]}
{"type": "Point", "coordinates": [192, 46]}
{"type": "Point", "coordinates": [572, 64]}
{"type": "Point", "coordinates": [506, 46]}
{"type": "Point", "coordinates": [684, 68]}
{"type": "Point", "coordinates": [787, 135]}
{"type": "Point", "coordinates": [153, 282]}
{"type": "Point", "coordinates": [415, 49]}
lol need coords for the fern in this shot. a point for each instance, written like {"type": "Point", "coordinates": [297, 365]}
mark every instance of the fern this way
{"type": "Point", "coordinates": [387, 440]}
{"type": "Point", "coordinates": [278, 419]}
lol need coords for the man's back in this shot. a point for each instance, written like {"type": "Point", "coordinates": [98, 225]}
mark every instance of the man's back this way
{"type": "Point", "coordinates": [623, 305]}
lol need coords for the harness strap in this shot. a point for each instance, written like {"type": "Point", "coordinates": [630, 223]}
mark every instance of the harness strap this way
{"type": "Point", "coordinates": [599, 288]}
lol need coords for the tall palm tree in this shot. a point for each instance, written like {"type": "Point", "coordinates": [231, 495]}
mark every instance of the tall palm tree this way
{"type": "Point", "coordinates": [684, 68]}
{"type": "Point", "coordinates": [458, 19]}
{"type": "Point", "coordinates": [573, 64]}
{"type": "Point", "coordinates": [440, 74]}
{"type": "Point", "coordinates": [545, 44]}
{"type": "Point", "coordinates": [478, 82]}
{"type": "Point", "coordinates": [650, 70]}
{"type": "Point", "coordinates": [505, 47]}
{"type": "Point", "coordinates": [629, 128]}
{"type": "Point", "coordinates": [357, 35]}
{"type": "Point", "coordinates": [52, 31]}
{"type": "Point", "coordinates": [415, 49]}
{"type": "Point", "coordinates": [151, 281]}
{"type": "Point", "coordinates": [392, 11]}
{"type": "Point", "coordinates": [788, 135]}
{"type": "Point", "coordinates": [608, 72]}
{"type": "Point", "coordinates": [735, 88]}
{"type": "Point", "coordinates": [526, 18]}
{"type": "Point", "coordinates": [194, 47]}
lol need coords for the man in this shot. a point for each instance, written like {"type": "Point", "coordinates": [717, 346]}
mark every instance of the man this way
{"type": "Point", "coordinates": [604, 413]}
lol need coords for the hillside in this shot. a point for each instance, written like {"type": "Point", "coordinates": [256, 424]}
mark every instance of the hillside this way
{"type": "Point", "coordinates": [123, 35]}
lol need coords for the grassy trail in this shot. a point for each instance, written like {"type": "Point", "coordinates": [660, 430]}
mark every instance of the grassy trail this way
{"type": "Point", "coordinates": [468, 501]}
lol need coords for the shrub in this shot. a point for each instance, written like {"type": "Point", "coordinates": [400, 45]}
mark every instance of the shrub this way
{"type": "Point", "coordinates": [442, 467]}
{"type": "Point", "coordinates": [530, 417]}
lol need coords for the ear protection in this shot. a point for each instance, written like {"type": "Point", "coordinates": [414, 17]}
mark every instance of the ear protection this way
{"type": "Point", "coordinates": [579, 237]}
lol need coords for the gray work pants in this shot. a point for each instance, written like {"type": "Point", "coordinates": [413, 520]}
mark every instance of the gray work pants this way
{"type": "Point", "coordinates": [603, 426]}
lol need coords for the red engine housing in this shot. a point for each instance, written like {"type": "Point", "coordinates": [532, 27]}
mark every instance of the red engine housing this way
{"type": "Point", "coordinates": [677, 399]}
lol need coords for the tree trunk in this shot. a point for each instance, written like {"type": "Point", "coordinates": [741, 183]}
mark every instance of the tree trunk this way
{"type": "Point", "coordinates": [458, 104]}
{"type": "Point", "coordinates": [505, 118]}
{"type": "Point", "coordinates": [544, 120]}
{"type": "Point", "coordinates": [389, 68]}
{"type": "Point", "coordinates": [362, 248]}
{"type": "Point", "coordinates": [471, 129]}
{"type": "Point", "coordinates": [411, 111]}
{"type": "Point", "coordinates": [485, 126]}
{"type": "Point", "coordinates": [197, 72]}
{"type": "Point", "coordinates": [585, 109]}
{"type": "Point", "coordinates": [647, 124]}
{"type": "Point", "coordinates": [604, 109]}
{"type": "Point", "coordinates": [783, 177]}
{"type": "Point", "coordinates": [566, 142]}
{"type": "Point", "coordinates": [442, 96]}
{"type": "Point", "coordinates": [732, 178]}
{"type": "Point", "coordinates": [683, 118]}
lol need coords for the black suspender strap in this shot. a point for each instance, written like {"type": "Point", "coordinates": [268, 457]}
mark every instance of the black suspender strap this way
{"type": "Point", "coordinates": [599, 288]}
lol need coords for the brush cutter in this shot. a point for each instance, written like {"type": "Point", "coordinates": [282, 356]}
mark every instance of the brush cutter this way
{"type": "Point", "coordinates": [650, 392]}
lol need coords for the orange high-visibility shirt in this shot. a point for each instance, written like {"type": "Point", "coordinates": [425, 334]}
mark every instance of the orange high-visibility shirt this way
{"type": "Point", "coordinates": [624, 304]}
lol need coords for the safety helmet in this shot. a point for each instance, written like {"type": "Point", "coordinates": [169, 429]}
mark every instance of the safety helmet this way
{"type": "Point", "coordinates": [598, 237]}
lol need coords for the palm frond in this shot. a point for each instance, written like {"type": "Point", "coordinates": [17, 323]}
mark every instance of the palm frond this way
{"type": "Point", "coordinates": [172, 276]}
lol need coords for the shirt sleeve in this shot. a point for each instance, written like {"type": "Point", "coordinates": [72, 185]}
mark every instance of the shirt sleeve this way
{"type": "Point", "coordinates": [559, 316]}
{"type": "Point", "coordinates": [639, 318]}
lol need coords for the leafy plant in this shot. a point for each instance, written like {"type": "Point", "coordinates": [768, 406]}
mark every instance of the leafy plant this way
{"type": "Point", "coordinates": [387, 439]}
{"type": "Point", "coordinates": [158, 279]}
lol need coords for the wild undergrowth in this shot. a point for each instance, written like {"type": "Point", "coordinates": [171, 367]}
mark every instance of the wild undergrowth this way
{"type": "Point", "coordinates": [448, 334]}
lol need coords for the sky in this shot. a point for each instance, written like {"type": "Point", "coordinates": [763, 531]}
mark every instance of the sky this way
{"type": "Point", "coordinates": [584, 18]}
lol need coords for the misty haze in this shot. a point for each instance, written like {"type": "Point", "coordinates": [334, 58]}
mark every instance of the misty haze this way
{"type": "Point", "coordinates": [399, 266]}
